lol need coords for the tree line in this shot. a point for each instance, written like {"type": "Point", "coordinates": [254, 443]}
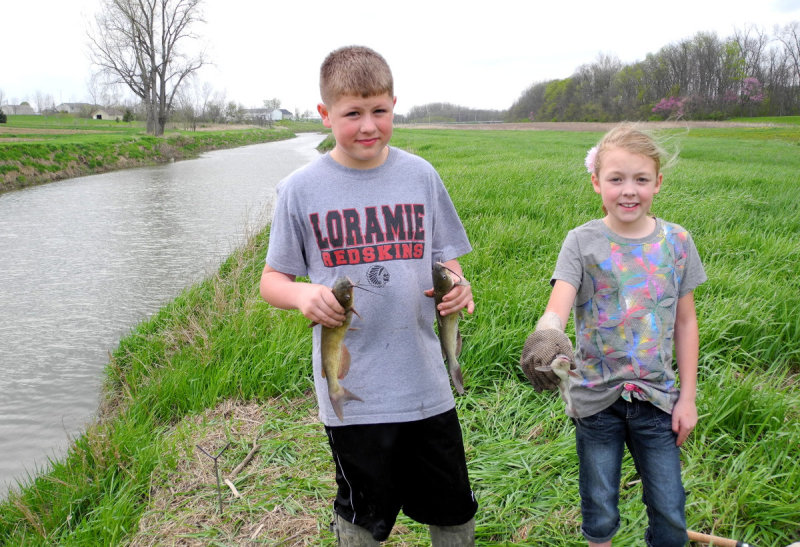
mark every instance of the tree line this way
{"type": "Point", "coordinates": [146, 47]}
{"type": "Point", "coordinates": [449, 113]}
{"type": "Point", "coordinates": [703, 77]}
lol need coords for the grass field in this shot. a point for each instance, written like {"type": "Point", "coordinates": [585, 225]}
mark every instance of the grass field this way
{"type": "Point", "coordinates": [219, 366]}
{"type": "Point", "coordinates": [791, 120]}
{"type": "Point", "coordinates": [40, 149]}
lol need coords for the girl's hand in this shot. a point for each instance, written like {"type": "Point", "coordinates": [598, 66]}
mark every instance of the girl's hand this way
{"type": "Point", "coordinates": [317, 303]}
{"type": "Point", "coordinates": [684, 418]}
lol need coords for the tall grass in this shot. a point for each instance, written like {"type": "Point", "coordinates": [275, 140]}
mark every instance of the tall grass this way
{"type": "Point", "coordinates": [518, 194]}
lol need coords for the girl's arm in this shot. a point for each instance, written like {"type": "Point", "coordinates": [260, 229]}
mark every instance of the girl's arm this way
{"type": "Point", "coordinates": [560, 303]}
{"type": "Point", "coordinates": [687, 342]}
{"type": "Point", "coordinates": [315, 302]}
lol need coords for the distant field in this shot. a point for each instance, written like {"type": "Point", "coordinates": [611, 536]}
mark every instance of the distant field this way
{"type": "Point", "coordinates": [791, 120]}
{"type": "Point", "coordinates": [39, 149]}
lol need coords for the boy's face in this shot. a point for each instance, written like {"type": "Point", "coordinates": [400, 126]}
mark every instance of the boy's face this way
{"type": "Point", "coordinates": [362, 127]}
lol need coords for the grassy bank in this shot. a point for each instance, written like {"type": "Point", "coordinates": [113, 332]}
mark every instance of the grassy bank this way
{"type": "Point", "coordinates": [38, 149]}
{"type": "Point", "coordinates": [218, 366]}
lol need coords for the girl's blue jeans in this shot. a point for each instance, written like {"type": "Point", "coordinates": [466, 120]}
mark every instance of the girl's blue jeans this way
{"type": "Point", "coordinates": [600, 441]}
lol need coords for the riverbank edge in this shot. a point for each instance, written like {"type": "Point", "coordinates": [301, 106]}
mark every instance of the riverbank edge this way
{"type": "Point", "coordinates": [41, 163]}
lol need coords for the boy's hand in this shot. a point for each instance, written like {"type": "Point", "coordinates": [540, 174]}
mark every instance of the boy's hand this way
{"type": "Point", "coordinates": [684, 418]}
{"type": "Point", "coordinates": [459, 297]}
{"type": "Point", "coordinates": [317, 303]}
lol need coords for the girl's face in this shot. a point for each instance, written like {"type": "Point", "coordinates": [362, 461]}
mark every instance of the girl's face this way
{"type": "Point", "coordinates": [627, 183]}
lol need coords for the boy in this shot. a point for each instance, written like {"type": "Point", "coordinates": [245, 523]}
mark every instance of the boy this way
{"type": "Point", "coordinates": [381, 217]}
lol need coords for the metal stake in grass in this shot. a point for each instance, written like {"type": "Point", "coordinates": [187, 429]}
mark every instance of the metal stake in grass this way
{"type": "Point", "coordinates": [216, 470]}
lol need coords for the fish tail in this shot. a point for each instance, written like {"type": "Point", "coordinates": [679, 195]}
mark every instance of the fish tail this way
{"type": "Point", "coordinates": [567, 397]}
{"type": "Point", "coordinates": [338, 400]}
{"type": "Point", "coordinates": [457, 376]}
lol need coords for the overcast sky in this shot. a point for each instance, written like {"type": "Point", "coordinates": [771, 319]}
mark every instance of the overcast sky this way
{"type": "Point", "coordinates": [475, 54]}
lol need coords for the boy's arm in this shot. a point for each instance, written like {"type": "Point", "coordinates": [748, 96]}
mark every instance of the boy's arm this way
{"type": "Point", "coordinates": [316, 302]}
{"type": "Point", "coordinates": [687, 341]}
{"type": "Point", "coordinates": [459, 297]}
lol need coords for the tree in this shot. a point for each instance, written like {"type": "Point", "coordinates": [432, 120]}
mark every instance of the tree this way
{"type": "Point", "coordinates": [138, 44]}
{"type": "Point", "coordinates": [789, 36]}
{"type": "Point", "coordinates": [234, 112]}
{"type": "Point", "coordinates": [272, 104]}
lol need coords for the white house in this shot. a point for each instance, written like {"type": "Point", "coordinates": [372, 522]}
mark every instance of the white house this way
{"type": "Point", "coordinates": [107, 114]}
{"type": "Point", "coordinates": [281, 114]}
{"type": "Point", "coordinates": [264, 114]}
{"type": "Point", "coordinates": [17, 109]}
{"type": "Point", "coordinates": [74, 108]}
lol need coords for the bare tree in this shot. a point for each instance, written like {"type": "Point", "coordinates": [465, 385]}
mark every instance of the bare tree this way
{"type": "Point", "coordinates": [752, 42]}
{"type": "Point", "coordinates": [789, 36]}
{"type": "Point", "coordinates": [137, 43]}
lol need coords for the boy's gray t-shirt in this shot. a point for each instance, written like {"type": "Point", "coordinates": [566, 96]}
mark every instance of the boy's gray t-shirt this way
{"type": "Point", "coordinates": [383, 228]}
{"type": "Point", "coordinates": [625, 308]}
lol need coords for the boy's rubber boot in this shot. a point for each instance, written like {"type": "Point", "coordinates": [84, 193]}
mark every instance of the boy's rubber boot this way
{"type": "Point", "coordinates": [351, 535]}
{"type": "Point", "coordinates": [462, 535]}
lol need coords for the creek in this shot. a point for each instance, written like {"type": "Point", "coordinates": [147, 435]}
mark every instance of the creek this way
{"type": "Point", "coordinates": [85, 260]}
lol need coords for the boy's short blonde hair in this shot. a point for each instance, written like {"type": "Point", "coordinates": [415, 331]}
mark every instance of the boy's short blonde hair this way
{"type": "Point", "coordinates": [354, 70]}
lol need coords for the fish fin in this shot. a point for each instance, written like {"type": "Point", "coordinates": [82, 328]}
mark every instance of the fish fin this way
{"type": "Point", "coordinates": [344, 366]}
{"type": "Point", "coordinates": [313, 324]}
{"type": "Point", "coordinates": [458, 379]}
{"type": "Point", "coordinates": [338, 400]}
{"type": "Point", "coordinates": [355, 312]}
{"type": "Point", "coordinates": [459, 342]}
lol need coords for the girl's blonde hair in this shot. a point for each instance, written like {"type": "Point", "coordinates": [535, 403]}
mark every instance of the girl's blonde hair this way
{"type": "Point", "coordinates": [630, 137]}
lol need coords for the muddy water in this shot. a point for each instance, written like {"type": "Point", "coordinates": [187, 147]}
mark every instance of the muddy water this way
{"type": "Point", "coordinates": [83, 260]}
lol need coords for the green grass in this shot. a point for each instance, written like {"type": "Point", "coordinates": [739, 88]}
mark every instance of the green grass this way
{"type": "Point", "coordinates": [791, 120]}
{"type": "Point", "coordinates": [70, 122]}
{"type": "Point", "coordinates": [39, 149]}
{"type": "Point", "coordinates": [136, 476]}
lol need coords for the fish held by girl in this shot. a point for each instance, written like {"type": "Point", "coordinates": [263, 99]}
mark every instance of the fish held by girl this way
{"type": "Point", "coordinates": [444, 279]}
{"type": "Point", "coordinates": [562, 367]}
{"type": "Point", "coordinates": [335, 357]}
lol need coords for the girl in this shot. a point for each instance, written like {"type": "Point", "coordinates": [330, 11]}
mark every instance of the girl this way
{"type": "Point", "coordinates": [629, 278]}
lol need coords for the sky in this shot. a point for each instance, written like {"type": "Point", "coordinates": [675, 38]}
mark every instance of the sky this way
{"type": "Point", "coordinates": [474, 54]}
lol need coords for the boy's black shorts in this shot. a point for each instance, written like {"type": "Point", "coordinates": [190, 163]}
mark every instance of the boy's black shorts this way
{"type": "Point", "coordinates": [418, 467]}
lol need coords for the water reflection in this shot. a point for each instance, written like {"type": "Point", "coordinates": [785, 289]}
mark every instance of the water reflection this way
{"type": "Point", "coordinates": [84, 260]}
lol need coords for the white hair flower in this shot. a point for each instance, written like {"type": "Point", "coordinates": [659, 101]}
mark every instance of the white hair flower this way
{"type": "Point", "coordinates": [591, 155]}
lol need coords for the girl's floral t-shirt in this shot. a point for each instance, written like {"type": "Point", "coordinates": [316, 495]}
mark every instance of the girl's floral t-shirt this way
{"type": "Point", "coordinates": [625, 306]}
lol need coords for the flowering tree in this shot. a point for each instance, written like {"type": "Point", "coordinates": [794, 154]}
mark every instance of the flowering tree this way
{"type": "Point", "coordinates": [672, 107]}
{"type": "Point", "coordinates": [752, 91]}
